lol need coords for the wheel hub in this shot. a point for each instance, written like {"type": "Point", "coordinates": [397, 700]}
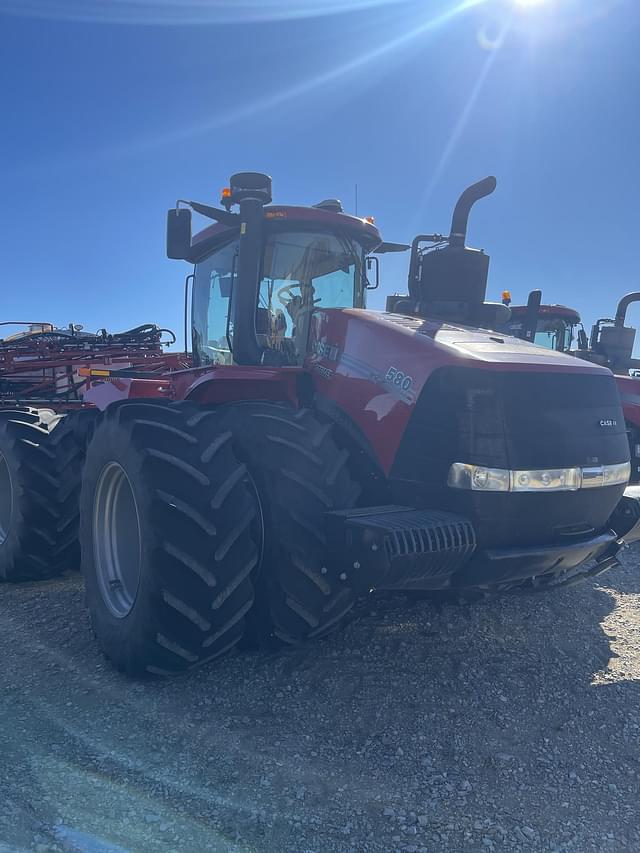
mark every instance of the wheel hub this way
{"type": "Point", "coordinates": [117, 542]}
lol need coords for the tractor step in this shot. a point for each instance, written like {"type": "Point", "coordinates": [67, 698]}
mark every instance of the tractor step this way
{"type": "Point", "coordinates": [398, 547]}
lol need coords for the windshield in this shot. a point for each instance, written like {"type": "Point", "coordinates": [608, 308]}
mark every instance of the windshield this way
{"type": "Point", "coordinates": [301, 271]}
{"type": "Point", "coordinates": [551, 333]}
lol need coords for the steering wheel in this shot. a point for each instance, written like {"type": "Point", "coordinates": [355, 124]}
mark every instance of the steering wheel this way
{"type": "Point", "coordinates": [286, 291]}
{"type": "Point", "coordinates": [293, 297]}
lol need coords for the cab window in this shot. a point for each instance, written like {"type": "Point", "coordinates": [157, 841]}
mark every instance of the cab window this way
{"type": "Point", "coordinates": [553, 334]}
{"type": "Point", "coordinates": [303, 271]}
{"type": "Point", "coordinates": [212, 292]}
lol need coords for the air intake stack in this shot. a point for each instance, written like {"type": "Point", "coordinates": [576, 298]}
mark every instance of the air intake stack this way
{"type": "Point", "coordinates": [449, 280]}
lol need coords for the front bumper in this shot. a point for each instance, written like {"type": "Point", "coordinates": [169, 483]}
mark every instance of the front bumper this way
{"type": "Point", "coordinates": [493, 567]}
{"type": "Point", "coordinates": [397, 547]}
{"type": "Point", "coordinates": [625, 519]}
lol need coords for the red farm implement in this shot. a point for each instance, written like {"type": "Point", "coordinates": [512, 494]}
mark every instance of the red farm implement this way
{"type": "Point", "coordinates": [41, 364]}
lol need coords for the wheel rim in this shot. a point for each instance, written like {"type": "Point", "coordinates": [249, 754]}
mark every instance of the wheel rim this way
{"type": "Point", "coordinates": [116, 540]}
{"type": "Point", "coordinates": [6, 499]}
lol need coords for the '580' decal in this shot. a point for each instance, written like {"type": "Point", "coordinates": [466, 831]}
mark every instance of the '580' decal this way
{"type": "Point", "coordinates": [397, 377]}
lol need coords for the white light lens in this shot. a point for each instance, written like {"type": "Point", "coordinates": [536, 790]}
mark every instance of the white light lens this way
{"type": "Point", "coordinates": [616, 474]}
{"type": "Point", "coordinates": [480, 478]}
{"type": "Point", "coordinates": [477, 478]}
{"type": "Point", "coordinates": [611, 475]}
{"type": "Point", "coordinates": [549, 480]}
{"type": "Point", "coordinates": [592, 478]}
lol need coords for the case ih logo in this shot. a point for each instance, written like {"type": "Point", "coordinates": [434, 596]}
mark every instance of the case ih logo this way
{"type": "Point", "coordinates": [608, 422]}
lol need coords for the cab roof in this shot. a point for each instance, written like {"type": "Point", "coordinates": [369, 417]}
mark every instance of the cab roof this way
{"type": "Point", "coordinates": [562, 311]}
{"type": "Point", "coordinates": [360, 229]}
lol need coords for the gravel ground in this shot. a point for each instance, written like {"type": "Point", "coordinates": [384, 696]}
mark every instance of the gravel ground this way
{"type": "Point", "coordinates": [510, 725]}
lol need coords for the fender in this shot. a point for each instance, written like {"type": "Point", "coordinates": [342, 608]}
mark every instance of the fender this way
{"type": "Point", "coordinates": [231, 384]}
{"type": "Point", "coordinates": [363, 461]}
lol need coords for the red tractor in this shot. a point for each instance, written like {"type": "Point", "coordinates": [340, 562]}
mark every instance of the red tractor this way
{"type": "Point", "coordinates": [610, 344]}
{"type": "Point", "coordinates": [314, 450]}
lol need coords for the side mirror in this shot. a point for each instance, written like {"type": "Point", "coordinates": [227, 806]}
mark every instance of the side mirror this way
{"type": "Point", "coordinates": [373, 263]}
{"type": "Point", "coordinates": [583, 340]}
{"type": "Point", "coordinates": [179, 233]}
{"type": "Point", "coordinates": [530, 326]}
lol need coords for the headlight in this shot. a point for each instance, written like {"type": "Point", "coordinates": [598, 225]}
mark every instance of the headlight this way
{"type": "Point", "coordinates": [478, 479]}
{"type": "Point", "coordinates": [607, 475]}
{"type": "Point", "coordinates": [481, 479]}
{"type": "Point", "coordinates": [547, 480]}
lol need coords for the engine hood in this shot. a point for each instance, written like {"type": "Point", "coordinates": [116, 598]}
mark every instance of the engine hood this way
{"type": "Point", "coordinates": [477, 345]}
{"type": "Point", "coordinates": [375, 367]}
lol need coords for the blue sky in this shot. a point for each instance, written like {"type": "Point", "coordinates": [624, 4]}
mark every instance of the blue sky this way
{"type": "Point", "coordinates": [112, 110]}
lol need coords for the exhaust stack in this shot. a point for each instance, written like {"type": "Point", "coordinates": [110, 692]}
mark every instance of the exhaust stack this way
{"type": "Point", "coordinates": [448, 280]}
{"type": "Point", "coordinates": [621, 310]}
{"type": "Point", "coordinates": [461, 212]}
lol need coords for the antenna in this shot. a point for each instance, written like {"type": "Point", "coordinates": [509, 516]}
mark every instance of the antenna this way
{"type": "Point", "coordinates": [356, 199]}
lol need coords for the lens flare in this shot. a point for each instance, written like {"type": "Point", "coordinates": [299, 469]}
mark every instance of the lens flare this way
{"type": "Point", "coordinates": [183, 12]}
{"type": "Point", "coordinates": [528, 4]}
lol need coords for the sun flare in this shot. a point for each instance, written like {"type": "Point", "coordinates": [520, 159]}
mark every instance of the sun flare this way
{"type": "Point", "coordinates": [528, 4]}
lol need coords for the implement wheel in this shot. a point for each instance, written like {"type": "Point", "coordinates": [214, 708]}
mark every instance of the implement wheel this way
{"type": "Point", "coordinates": [164, 528]}
{"type": "Point", "coordinates": [297, 474]}
{"type": "Point", "coordinates": [40, 475]}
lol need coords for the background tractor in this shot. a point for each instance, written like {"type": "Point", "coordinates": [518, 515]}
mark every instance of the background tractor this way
{"type": "Point", "coordinates": [313, 450]}
{"type": "Point", "coordinates": [610, 344]}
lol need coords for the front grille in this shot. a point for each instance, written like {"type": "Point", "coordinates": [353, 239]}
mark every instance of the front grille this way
{"type": "Point", "coordinates": [513, 420]}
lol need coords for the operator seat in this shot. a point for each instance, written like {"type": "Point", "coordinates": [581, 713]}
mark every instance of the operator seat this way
{"type": "Point", "coordinates": [263, 321]}
{"type": "Point", "coordinates": [271, 329]}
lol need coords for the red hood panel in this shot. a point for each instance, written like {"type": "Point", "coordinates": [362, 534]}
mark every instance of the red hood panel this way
{"type": "Point", "coordinates": [479, 345]}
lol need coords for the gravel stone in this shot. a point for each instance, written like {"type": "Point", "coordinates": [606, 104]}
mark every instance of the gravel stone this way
{"type": "Point", "coordinates": [512, 724]}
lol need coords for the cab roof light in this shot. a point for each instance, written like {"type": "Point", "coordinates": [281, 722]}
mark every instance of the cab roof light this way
{"type": "Point", "coordinates": [226, 199]}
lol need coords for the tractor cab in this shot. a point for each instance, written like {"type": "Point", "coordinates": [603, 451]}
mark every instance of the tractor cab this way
{"type": "Point", "coordinates": [301, 269]}
{"type": "Point", "coordinates": [556, 326]}
{"type": "Point", "coordinates": [262, 272]}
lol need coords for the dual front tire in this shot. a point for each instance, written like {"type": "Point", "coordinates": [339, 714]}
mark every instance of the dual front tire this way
{"type": "Point", "coordinates": [296, 473]}
{"type": "Point", "coordinates": [200, 528]}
